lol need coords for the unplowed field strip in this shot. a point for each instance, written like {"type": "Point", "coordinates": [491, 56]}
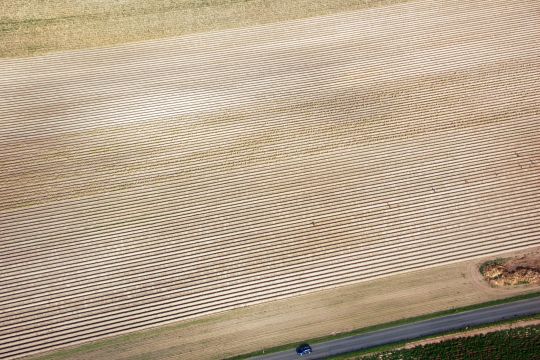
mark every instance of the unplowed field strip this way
{"type": "Point", "coordinates": [159, 181]}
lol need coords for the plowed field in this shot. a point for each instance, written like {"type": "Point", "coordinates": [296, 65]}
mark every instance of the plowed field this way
{"type": "Point", "coordinates": [158, 181]}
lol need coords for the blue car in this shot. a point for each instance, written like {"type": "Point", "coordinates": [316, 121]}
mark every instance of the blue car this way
{"type": "Point", "coordinates": [303, 349]}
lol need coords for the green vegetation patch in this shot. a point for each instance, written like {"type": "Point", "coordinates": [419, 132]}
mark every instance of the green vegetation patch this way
{"type": "Point", "coordinates": [518, 344]}
{"type": "Point", "coordinates": [490, 263]}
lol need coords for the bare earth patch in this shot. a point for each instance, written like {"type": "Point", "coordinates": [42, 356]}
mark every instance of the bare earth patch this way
{"type": "Point", "coordinates": [522, 270]}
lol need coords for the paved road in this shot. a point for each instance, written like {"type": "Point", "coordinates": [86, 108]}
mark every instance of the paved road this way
{"type": "Point", "coordinates": [415, 330]}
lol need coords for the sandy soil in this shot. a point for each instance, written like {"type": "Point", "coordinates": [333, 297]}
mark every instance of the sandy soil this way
{"type": "Point", "coordinates": [162, 181]}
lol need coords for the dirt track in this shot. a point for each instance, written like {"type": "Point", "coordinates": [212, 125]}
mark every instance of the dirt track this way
{"type": "Point", "coordinates": [157, 181]}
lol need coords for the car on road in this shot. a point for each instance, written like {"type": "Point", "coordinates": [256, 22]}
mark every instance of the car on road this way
{"type": "Point", "coordinates": [303, 349]}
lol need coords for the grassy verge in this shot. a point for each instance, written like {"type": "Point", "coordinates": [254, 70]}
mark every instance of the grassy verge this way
{"type": "Point", "coordinates": [388, 325]}
{"type": "Point", "coordinates": [30, 27]}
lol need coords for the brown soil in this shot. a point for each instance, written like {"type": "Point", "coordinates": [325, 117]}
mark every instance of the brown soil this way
{"type": "Point", "coordinates": [522, 270]}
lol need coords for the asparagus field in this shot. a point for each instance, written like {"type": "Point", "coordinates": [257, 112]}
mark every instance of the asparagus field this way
{"type": "Point", "coordinates": [159, 181]}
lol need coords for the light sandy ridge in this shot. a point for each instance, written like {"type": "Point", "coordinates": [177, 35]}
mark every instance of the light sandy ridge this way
{"type": "Point", "coordinates": [161, 181]}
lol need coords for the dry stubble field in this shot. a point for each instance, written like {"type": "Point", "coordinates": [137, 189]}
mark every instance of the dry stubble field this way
{"type": "Point", "coordinates": [32, 27]}
{"type": "Point", "coordinates": [161, 181]}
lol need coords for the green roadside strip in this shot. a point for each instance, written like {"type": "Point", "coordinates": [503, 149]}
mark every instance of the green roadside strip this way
{"type": "Point", "coordinates": [392, 324]}
{"type": "Point", "coordinates": [394, 346]}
